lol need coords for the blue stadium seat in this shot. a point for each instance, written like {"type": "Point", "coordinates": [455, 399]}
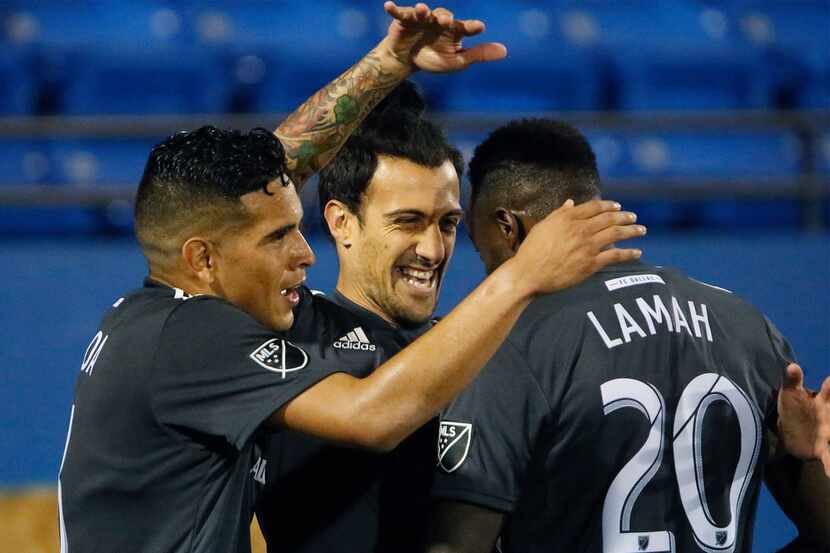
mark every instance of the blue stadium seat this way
{"type": "Point", "coordinates": [306, 26]}
{"type": "Point", "coordinates": [794, 37]}
{"type": "Point", "coordinates": [669, 55]}
{"type": "Point", "coordinates": [748, 213]}
{"type": "Point", "coordinates": [696, 79]}
{"type": "Point", "coordinates": [539, 74]}
{"type": "Point", "coordinates": [52, 220]}
{"type": "Point", "coordinates": [28, 163]}
{"type": "Point", "coordinates": [646, 25]}
{"type": "Point", "coordinates": [279, 54]}
{"type": "Point", "coordinates": [815, 91]}
{"type": "Point", "coordinates": [87, 23]}
{"type": "Point", "coordinates": [91, 162]}
{"type": "Point", "coordinates": [112, 58]}
{"type": "Point", "coordinates": [23, 162]}
{"type": "Point", "coordinates": [761, 155]}
{"type": "Point", "coordinates": [762, 158]}
{"type": "Point", "coordinates": [569, 81]}
{"type": "Point", "coordinates": [17, 86]}
{"type": "Point", "coordinates": [145, 82]}
{"type": "Point", "coordinates": [823, 155]}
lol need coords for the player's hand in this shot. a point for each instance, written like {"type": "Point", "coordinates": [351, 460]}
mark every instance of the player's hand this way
{"type": "Point", "coordinates": [430, 39]}
{"type": "Point", "coordinates": [804, 418]}
{"type": "Point", "coordinates": [572, 243]}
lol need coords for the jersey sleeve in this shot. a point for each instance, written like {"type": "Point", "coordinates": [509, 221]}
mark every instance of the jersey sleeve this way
{"type": "Point", "coordinates": [783, 355]}
{"type": "Point", "coordinates": [780, 346]}
{"type": "Point", "coordinates": [487, 435]}
{"type": "Point", "coordinates": [218, 373]}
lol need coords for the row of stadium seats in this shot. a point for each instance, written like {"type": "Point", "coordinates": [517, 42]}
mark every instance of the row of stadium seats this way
{"type": "Point", "coordinates": [89, 57]}
{"type": "Point", "coordinates": [757, 156]}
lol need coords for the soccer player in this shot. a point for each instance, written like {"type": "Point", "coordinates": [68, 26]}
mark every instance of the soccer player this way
{"type": "Point", "coordinates": [390, 200]}
{"type": "Point", "coordinates": [634, 412]}
{"type": "Point", "coordinates": [185, 374]}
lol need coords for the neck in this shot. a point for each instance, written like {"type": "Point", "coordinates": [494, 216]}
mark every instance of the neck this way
{"type": "Point", "coordinates": [357, 295]}
{"type": "Point", "coordinates": [190, 286]}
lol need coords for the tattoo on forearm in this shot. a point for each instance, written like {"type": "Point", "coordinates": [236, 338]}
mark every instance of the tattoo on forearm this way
{"type": "Point", "coordinates": [314, 133]}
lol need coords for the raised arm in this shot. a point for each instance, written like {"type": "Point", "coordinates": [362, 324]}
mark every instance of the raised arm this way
{"type": "Point", "coordinates": [418, 38]}
{"type": "Point", "coordinates": [402, 394]}
{"type": "Point", "coordinates": [798, 473]}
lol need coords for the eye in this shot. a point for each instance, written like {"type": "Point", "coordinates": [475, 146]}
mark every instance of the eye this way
{"type": "Point", "coordinates": [449, 225]}
{"type": "Point", "coordinates": [278, 235]}
{"type": "Point", "coordinates": [407, 221]}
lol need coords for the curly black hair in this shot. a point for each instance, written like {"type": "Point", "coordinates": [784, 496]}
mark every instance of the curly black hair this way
{"type": "Point", "coordinates": [534, 164]}
{"type": "Point", "coordinates": [198, 177]}
{"type": "Point", "coordinates": [397, 128]}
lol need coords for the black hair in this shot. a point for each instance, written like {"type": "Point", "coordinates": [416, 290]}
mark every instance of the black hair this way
{"type": "Point", "coordinates": [197, 177]}
{"type": "Point", "coordinates": [535, 165]}
{"type": "Point", "coordinates": [396, 128]}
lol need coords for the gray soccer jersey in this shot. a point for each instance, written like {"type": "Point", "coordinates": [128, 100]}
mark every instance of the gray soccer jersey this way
{"type": "Point", "coordinates": [162, 452]}
{"type": "Point", "coordinates": [626, 414]}
{"type": "Point", "coordinates": [326, 498]}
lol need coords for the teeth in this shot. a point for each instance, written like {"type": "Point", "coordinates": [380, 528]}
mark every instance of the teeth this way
{"type": "Point", "coordinates": [423, 275]}
{"type": "Point", "coordinates": [418, 279]}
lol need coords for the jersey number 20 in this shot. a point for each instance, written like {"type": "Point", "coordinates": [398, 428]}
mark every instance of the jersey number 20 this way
{"type": "Point", "coordinates": [696, 398]}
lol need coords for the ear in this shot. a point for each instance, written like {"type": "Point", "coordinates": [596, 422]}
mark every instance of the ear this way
{"type": "Point", "coordinates": [341, 222]}
{"type": "Point", "coordinates": [200, 258]}
{"type": "Point", "coordinates": [509, 228]}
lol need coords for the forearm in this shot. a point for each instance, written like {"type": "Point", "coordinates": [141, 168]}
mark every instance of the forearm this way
{"type": "Point", "coordinates": [410, 388]}
{"type": "Point", "coordinates": [422, 379]}
{"type": "Point", "coordinates": [314, 133]}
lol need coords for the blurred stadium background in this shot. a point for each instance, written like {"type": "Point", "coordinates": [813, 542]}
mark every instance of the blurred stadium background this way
{"type": "Point", "coordinates": [710, 118]}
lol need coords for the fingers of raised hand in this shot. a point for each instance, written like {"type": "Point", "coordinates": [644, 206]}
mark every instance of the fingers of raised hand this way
{"type": "Point", "coordinates": [793, 376]}
{"type": "Point", "coordinates": [824, 393]}
{"type": "Point", "coordinates": [408, 15]}
{"type": "Point", "coordinates": [616, 255]}
{"type": "Point", "coordinates": [616, 233]}
{"type": "Point", "coordinates": [469, 27]}
{"type": "Point", "coordinates": [592, 208]}
{"type": "Point", "coordinates": [444, 17]}
{"type": "Point", "coordinates": [608, 219]}
{"type": "Point", "coordinates": [490, 51]}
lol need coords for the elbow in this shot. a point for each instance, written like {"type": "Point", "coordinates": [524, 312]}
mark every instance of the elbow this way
{"type": "Point", "coordinates": [375, 436]}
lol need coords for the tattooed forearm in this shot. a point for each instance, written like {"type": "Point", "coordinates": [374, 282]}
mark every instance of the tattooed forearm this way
{"type": "Point", "coordinates": [314, 133]}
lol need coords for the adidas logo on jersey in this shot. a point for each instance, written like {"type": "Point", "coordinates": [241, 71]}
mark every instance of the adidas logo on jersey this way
{"type": "Point", "coordinates": [356, 339]}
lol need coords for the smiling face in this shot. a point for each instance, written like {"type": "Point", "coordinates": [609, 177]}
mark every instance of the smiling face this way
{"type": "Point", "coordinates": [400, 249]}
{"type": "Point", "coordinates": [260, 265]}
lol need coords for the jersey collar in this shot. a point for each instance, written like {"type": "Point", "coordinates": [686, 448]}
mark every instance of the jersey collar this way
{"type": "Point", "coordinates": [626, 266]}
{"type": "Point", "coordinates": [372, 319]}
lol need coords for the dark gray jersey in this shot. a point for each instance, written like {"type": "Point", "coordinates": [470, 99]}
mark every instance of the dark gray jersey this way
{"type": "Point", "coordinates": [626, 414]}
{"type": "Point", "coordinates": [326, 498]}
{"type": "Point", "coordinates": [162, 451]}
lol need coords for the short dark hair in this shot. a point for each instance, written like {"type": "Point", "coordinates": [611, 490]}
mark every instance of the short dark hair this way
{"type": "Point", "coordinates": [195, 179]}
{"type": "Point", "coordinates": [534, 164]}
{"type": "Point", "coordinates": [396, 128]}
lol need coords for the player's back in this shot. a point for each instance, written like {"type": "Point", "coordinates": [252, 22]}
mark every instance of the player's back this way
{"type": "Point", "coordinates": [645, 428]}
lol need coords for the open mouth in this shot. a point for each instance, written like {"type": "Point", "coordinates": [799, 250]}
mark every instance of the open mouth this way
{"type": "Point", "coordinates": [291, 294]}
{"type": "Point", "coordinates": [419, 279]}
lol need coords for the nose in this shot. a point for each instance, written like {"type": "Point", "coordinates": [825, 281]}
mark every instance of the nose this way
{"type": "Point", "coordinates": [301, 254]}
{"type": "Point", "coordinates": [430, 245]}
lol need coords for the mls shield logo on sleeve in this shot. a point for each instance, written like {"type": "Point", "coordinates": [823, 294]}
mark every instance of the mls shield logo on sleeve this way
{"type": "Point", "coordinates": [280, 356]}
{"type": "Point", "coordinates": [453, 444]}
